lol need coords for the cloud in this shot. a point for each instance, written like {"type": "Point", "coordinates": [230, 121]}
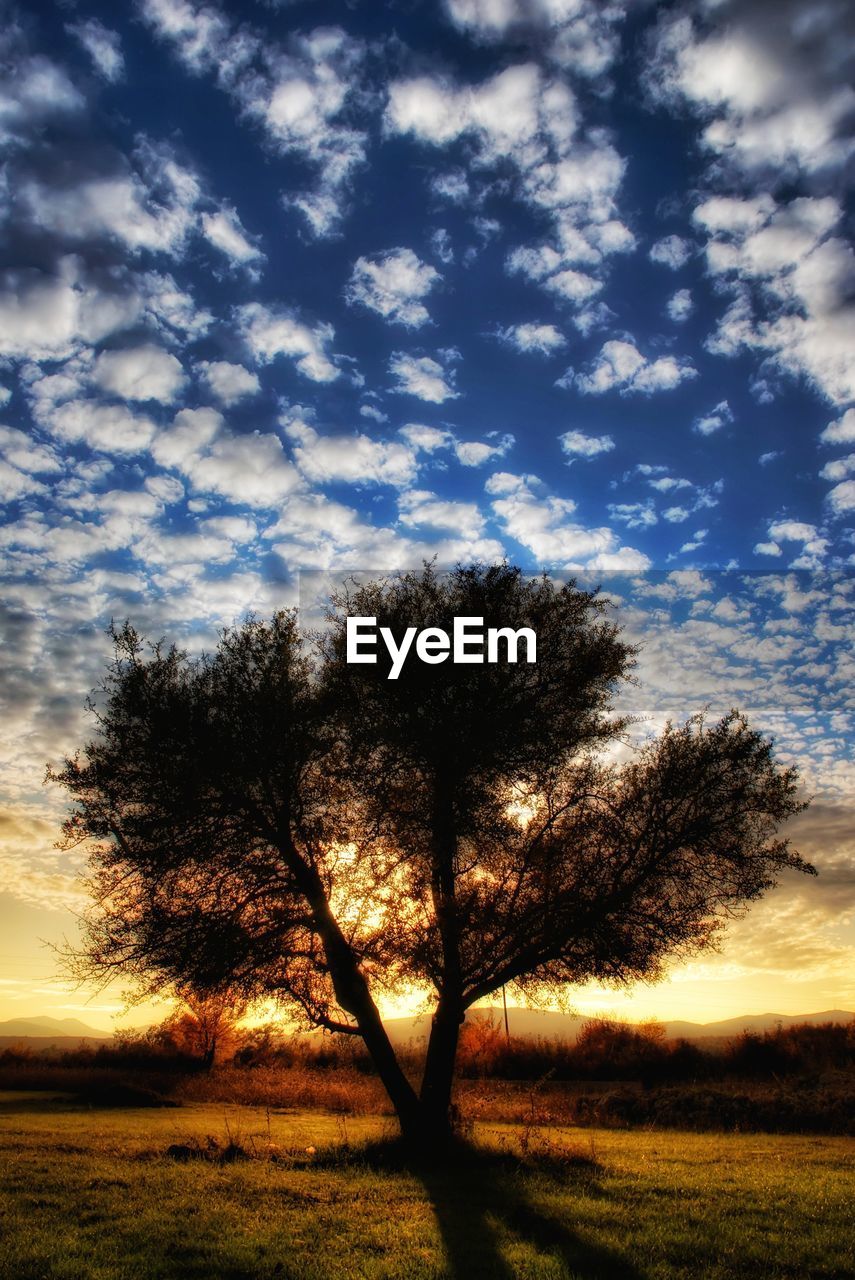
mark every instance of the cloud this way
{"type": "Point", "coordinates": [371, 411]}
{"type": "Point", "coordinates": [420, 508]}
{"type": "Point", "coordinates": [839, 468]}
{"type": "Point", "coordinates": [774, 102]}
{"type": "Point", "coordinates": [106, 428]}
{"type": "Point", "coordinates": [680, 306]}
{"type": "Point", "coordinates": [544, 525]}
{"type": "Point", "coordinates": [152, 205]}
{"type": "Point", "coordinates": [842, 431]}
{"type": "Point", "coordinates": [635, 515]}
{"type": "Point", "coordinates": [139, 373]}
{"type": "Point", "coordinates": [621, 366]}
{"type": "Point", "coordinates": [34, 91]}
{"type": "Point", "coordinates": [270, 332]}
{"type": "Point", "coordinates": [251, 469]}
{"type": "Point", "coordinates": [103, 47]}
{"type": "Point", "coordinates": [300, 94]}
{"type": "Point", "coordinates": [708, 423]}
{"type": "Point", "coordinates": [351, 459]}
{"type": "Point", "coordinates": [47, 316]}
{"type": "Point", "coordinates": [813, 548]}
{"type": "Point", "coordinates": [580, 35]}
{"type": "Point", "coordinates": [422, 377]}
{"type": "Point", "coordinates": [224, 230]}
{"type": "Point", "coordinates": [530, 120]}
{"type": "Point", "coordinates": [393, 284]}
{"type": "Point", "coordinates": [474, 453]}
{"type": "Point", "coordinates": [229, 382]}
{"type": "Point", "coordinates": [428, 439]}
{"type": "Point", "coordinates": [543, 339]}
{"type": "Point", "coordinates": [841, 498]}
{"type": "Point", "coordinates": [775, 98]}
{"type": "Point", "coordinates": [575, 444]}
{"type": "Point", "coordinates": [672, 251]}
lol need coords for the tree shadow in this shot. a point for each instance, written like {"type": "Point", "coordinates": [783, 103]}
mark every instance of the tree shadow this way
{"type": "Point", "coordinates": [482, 1197]}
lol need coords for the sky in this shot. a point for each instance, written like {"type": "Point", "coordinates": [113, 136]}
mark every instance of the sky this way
{"type": "Point", "coordinates": [305, 287]}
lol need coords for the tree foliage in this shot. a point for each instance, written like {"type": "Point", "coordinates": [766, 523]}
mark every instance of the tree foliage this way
{"type": "Point", "coordinates": [272, 819]}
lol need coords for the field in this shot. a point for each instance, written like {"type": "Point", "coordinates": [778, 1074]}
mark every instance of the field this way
{"type": "Point", "coordinates": [96, 1194]}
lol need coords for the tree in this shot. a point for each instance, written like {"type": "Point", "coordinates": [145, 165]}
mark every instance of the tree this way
{"type": "Point", "coordinates": [205, 1026]}
{"type": "Point", "coordinates": [273, 819]}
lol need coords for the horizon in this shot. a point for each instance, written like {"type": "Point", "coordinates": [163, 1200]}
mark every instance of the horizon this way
{"type": "Point", "coordinates": [291, 289]}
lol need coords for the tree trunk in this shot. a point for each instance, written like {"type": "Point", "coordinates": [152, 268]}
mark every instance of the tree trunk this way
{"type": "Point", "coordinates": [354, 996]}
{"type": "Point", "coordinates": [438, 1076]}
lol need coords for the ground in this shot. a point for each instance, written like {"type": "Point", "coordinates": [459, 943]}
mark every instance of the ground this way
{"type": "Point", "coordinates": [96, 1194]}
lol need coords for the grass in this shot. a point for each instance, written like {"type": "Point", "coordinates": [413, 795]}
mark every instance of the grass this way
{"type": "Point", "coordinates": [93, 1193]}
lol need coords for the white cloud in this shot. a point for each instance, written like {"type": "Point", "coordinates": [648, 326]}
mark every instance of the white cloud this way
{"type": "Point", "coordinates": [529, 119]}
{"type": "Point", "coordinates": [474, 453]}
{"type": "Point", "coordinates": [154, 208]}
{"type": "Point", "coordinates": [47, 317]}
{"type": "Point", "coordinates": [191, 432]}
{"type": "Point", "coordinates": [814, 545]}
{"type": "Point", "coordinates": [140, 373]}
{"type": "Point", "coordinates": [103, 47]}
{"type": "Point", "coordinates": [635, 515]}
{"type": "Point", "coordinates": [841, 498]}
{"type": "Point", "coordinates": [680, 306]}
{"type": "Point", "coordinates": [577, 445]}
{"type": "Point", "coordinates": [224, 230]}
{"type": "Point", "coordinates": [300, 95]}
{"type": "Point", "coordinates": [25, 454]}
{"type": "Point", "coordinates": [107, 428]}
{"type": "Point", "coordinates": [452, 186]}
{"type": "Point", "coordinates": [767, 549]}
{"type": "Point", "coordinates": [621, 366]}
{"type": "Point", "coordinates": [544, 525]}
{"type": "Point", "coordinates": [777, 99]}
{"type": "Point", "coordinates": [774, 102]}
{"type": "Point", "coordinates": [842, 431]}
{"type": "Point", "coordinates": [719, 417]}
{"type": "Point", "coordinates": [34, 91]}
{"type": "Point", "coordinates": [269, 333]}
{"type": "Point", "coordinates": [251, 470]}
{"type": "Point", "coordinates": [581, 35]}
{"type": "Point", "coordinates": [543, 339]}
{"type": "Point", "coordinates": [419, 508]}
{"type": "Point", "coordinates": [672, 251]}
{"type": "Point", "coordinates": [839, 469]}
{"type": "Point", "coordinates": [440, 243]}
{"type": "Point", "coordinates": [393, 284]}
{"type": "Point", "coordinates": [428, 439]}
{"type": "Point", "coordinates": [371, 411]}
{"type": "Point", "coordinates": [422, 377]}
{"type": "Point", "coordinates": [352, 459]}
{"type": "Point", "coordinates": [229, 382]}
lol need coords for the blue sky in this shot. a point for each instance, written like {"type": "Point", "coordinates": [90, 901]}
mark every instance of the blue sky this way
{"type": "Point", "coordinates": [330, 286]}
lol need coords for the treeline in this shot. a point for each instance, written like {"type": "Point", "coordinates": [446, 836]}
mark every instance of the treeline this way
{"type": "Point", "coordinates": [608, 1050]}
{"type": "Point", "coordinates": [605, 1051]}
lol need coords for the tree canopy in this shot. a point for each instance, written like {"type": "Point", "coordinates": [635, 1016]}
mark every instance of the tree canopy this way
{"type": "Point", "coordinates": [274, 820]}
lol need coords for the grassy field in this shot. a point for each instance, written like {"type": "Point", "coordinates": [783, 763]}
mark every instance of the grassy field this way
{"type": "Point", "coordinates": [94, 1194]}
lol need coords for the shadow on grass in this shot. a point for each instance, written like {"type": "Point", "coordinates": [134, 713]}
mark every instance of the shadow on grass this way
{"type": "Point", "coordinates": [486, 1201]}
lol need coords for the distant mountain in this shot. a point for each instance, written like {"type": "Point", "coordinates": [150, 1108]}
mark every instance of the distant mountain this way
{"type": "Point", "coordinates": [47, 1029]}
{"type": "Point", "coordinates": [530, 1023]}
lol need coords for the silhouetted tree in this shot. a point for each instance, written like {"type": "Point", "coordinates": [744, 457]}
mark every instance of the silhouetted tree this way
{"type": "Point", "coordinates": [205, 1026]}
{"type": "Point", "coordinates": [272, 818]}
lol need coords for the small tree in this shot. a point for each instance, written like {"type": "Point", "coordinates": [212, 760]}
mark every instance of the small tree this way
{"type": "Point", "coordinates": [205, 1026]}
{"type": "Point", "coordinates": [274, 819]}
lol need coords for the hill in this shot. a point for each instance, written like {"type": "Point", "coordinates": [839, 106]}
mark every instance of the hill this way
{"type": "Point", "coordinates": [531, 1023]}
{"type": "Point", "coordinates": [41, 1031]}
